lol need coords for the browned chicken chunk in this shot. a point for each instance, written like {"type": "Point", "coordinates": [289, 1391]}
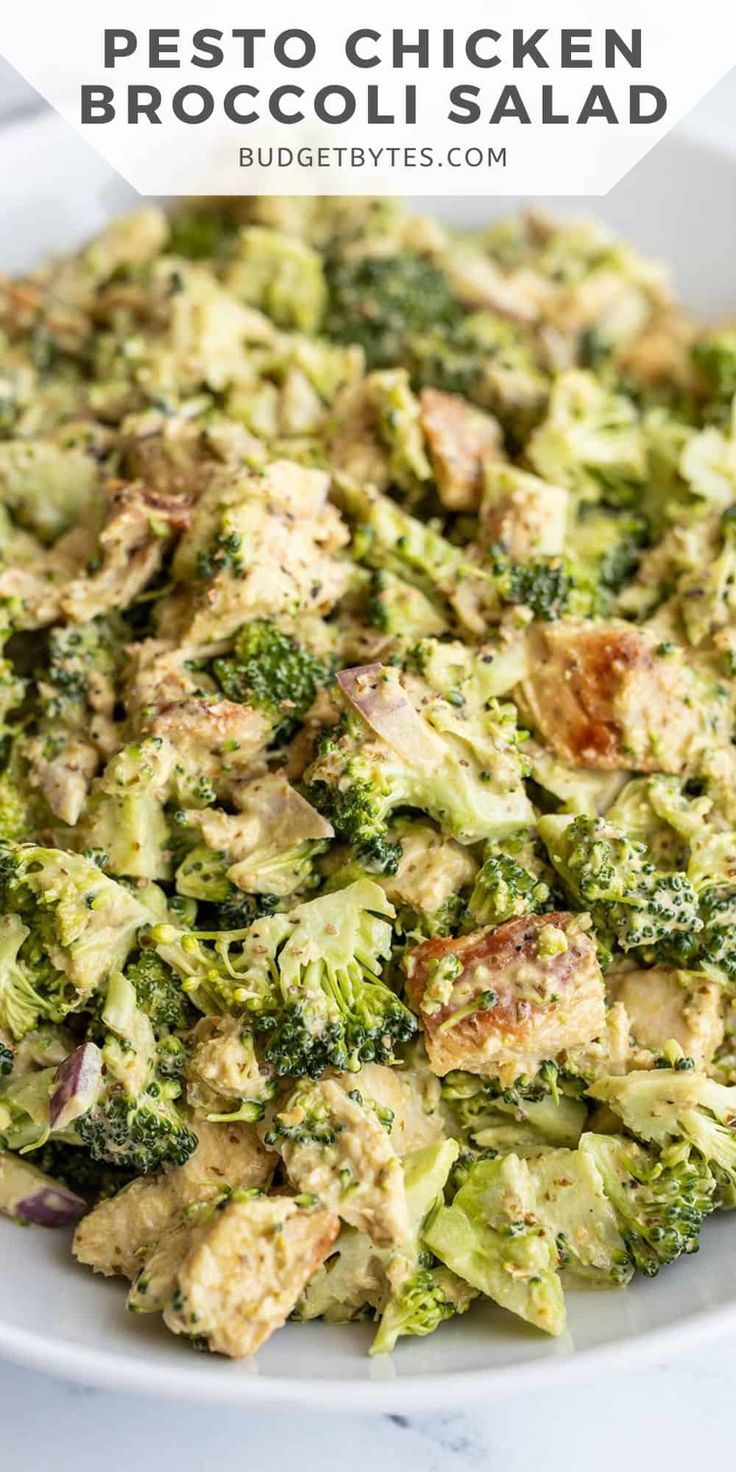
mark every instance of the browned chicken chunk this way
{"type": "Point", "coordinates": [460, 439]}
{"type": "Point", "coordinates": [605, 696]}
{"type": "Point", "coordinates": [501, 1001]}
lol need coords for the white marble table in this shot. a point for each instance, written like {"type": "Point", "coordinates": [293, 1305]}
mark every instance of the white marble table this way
{"type": "Point", "coordinates": [666, 1418]}
{"type": "Point", "coordinates": [669, 1416]}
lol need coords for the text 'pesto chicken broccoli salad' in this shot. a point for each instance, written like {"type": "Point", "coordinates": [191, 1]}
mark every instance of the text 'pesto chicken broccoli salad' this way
{"type": "Point", "coordinates": [368, 789]}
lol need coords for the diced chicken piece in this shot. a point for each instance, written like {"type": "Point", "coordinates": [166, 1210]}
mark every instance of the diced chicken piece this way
{"type": "Point", "coordinates": [273, 817]}
{"type": "Point", "coordinates": [216, 740]}
{"type": "Point", "coordinates": [516, 995]}
{"type": "Point", "coordinates": [114, 1237]}
{"type": "Point", "coordinates": [610, 1053]}
{"type": "Point", "coordinates": [525, 515]}
{"type": "Point", "coordinates": [431, 870]}
{"type": "Point", "coordinates": [37, 578]}
{"type": "Point", "coordinates": [283, 537]}
{"type": "Point", "coordinates": [604, 696]}
{"type": "Point", "coordinates": [159, 675]}
{"type": "Point", "coordinates": [478, 282]}
{"type": "Point", "coordinates": [245, 1271]}
{"type": "Point", "coordinates": [348, 1161]}
{"type": "Point", "coordinates": [171, 457]}
{"type": "Point", "coordinates": [666, 1005]}
{"type": "Point", "coordinates": [222, 1066]}
{"type": "Point", "coordinates": [413, 1094]}
{"type": "Point", "coordinates": [131, 544]}
{"type": "Point", "coordinates": [354, 446]}
{"type": "Point", "coordinates": [64, 778]}
{"type": "Point", "coordinates": [461, 440]}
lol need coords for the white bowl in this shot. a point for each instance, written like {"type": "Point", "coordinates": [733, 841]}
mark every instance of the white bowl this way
{"type": "Point", "coordinates": [54, 1315]}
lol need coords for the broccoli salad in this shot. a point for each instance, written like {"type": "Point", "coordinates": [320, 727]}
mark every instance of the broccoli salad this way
{"type": "Point", "coordinates": [368, 777]}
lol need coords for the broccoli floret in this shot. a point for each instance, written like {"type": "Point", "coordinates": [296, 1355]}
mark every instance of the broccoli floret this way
{"type": "Point", "coordinates": [93, 1180]}
{"type": "Point", "coordinates": [715, 356]}
{"type": "Point", "coordinates": [158, 992]}
{"type": "Point", "coordinates": [418, 1307]}
{"type": "Point", "coordinates": [528, 1118]}
{"type": "Point", "coordinates": [660, 1197]}
{"type": "Point", "coordinates": [387, 537]}
{"type": "Point", "coordinates": [199, 232]}
{"type": "Point", "coordinates": [135, 1123]}
{"type": "Point", "coordinates": [397, 608]}
{"type": "Point", "coordinates": [141, 1134]}
{"type": "Point", "coordinates": [462, 769]}
{"type": "Point", "coordinates": [669, 1105]}
{"type": "Point", "coordinates": [309, 981]}
{"type": "Point", "coordinates": [271, 670]}
{"type": "Point", "coordinates": [542, 584]}
{"type": "Point", "coordinates": [125, 817]}
{"type": "Point", "coordinates": [492, 1236]}
{"type": "Point", "coordinates": [591, 442]}
{"type": "Point", "coordinates": [381, 302]}
{"type": "Point", "coordinates": [30, 988]}
{"type": "Point", "coordinates": [81, 924]}
{"type": "Point", "coordinates": [575, 1210]}
{"type": "Point", "coordinates": [605, 545]}
{"type": "Point", "coordinates": [504, 887]}
{"type": "Point", "coordinates": [630, 900]}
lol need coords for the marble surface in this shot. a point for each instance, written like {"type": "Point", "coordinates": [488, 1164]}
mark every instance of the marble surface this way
{"type": "Point", "coordinates": [670, 1415]}
{"type": "Point", "coordinates": [667, 1417]}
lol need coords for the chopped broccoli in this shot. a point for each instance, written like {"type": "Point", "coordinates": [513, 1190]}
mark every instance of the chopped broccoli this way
{"type": "Point", "coordinates": [279, 273]}
{"type": "Point", "coordinates": [159, 993]}
{"type": "Point", "coordinates": [93, 1180]}
{"type": "Point", "coordinates": [422, 1302]}
{"type": "Point", "coordinates": [493, 1236]}
{"type": "Point", "coordinates": [388, 537]}
{"type": "Point", "coordinates": [30, 989]}
{"type": "Point", "coordinates": [630, 900]}
{"type": "Point", "coordinates": [141, 1134]}
{"type": "Point", "coordinates": [309, 980]}
{"type": "Point", "coordinates": [125, 817]}
{"type": "Point", "coordinates": [381, 302]}
{"type": "Point", "coordinates": [714, 354]}
{"type": "Point", "coordinates": [660, 1197]}
{"type": "Point", "coordinates": [528, 1119]}
{"type": "Point", "coordinates": [591, 442]}
{"type": "Point", "coordinates": [575, 1209]}
{"type": "Point", "coordinates": [136, 1123]}
{"type": "Point", "coordinates": [605, 545]}
{"type": "Point", "coordinates": [542, 584]}
{"type": "Point", "coordinates": [399, 609]}
{"type": "Point", "coordinates": [269, 669]}
{"type": "Point", "coordinates": [504, 887]}
{"type": "Point", "coordinates": [463, 770]}
{"type": "Point", "coordinates": [666, 1105]}
{"type": "Point", "coordinates": [82, 923]}
{"type": "Point", "coordinates": [6, 1058]}
{"type": "Point", "coordinates": [199, 231]}
{"type": "Point", "coordinates": [398, 415]}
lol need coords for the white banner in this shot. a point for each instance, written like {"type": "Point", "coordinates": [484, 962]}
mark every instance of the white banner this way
{"type": "Point", "coordinates": [388, 97]}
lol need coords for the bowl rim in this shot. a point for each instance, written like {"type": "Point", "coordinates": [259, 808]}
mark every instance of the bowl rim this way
{"type": "Point", "coordinates": [380, 1391]}
{"type": "Point", "coordinates": [446, 1391]}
